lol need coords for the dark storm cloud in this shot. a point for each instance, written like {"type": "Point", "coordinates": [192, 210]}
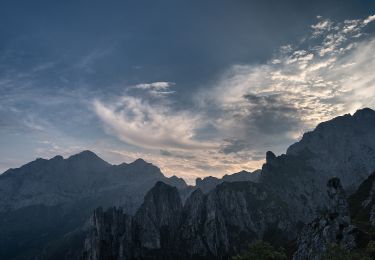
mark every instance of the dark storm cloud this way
{"type": "Point", "coordinates": [176, 155]}
{"type": "Point", "coordinates": [271, 114]}
{"type": "Point", "coordinates": [263, 120]}
{"type": "Point", "coordinates": [233, 145]}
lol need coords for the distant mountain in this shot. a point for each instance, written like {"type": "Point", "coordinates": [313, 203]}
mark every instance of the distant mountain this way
{"type": "Point", "coordinates": [45, 201]}
{"type": "Point", "coordinates": [208, 183]}
{"type": "Point", "coordinates": [290, 192]}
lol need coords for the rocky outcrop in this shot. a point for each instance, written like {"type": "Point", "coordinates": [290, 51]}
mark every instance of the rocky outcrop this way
{"type": "Point", "coordinates": [157, 220]}
{"type": "Point", "coordinates": [331, 228]}
{"type": "Point", "coordinates": [150, 233]}
{"type": "Point", "coordinates": [214, 225]}
{"type": "Point", "coordinates": [112, 229]}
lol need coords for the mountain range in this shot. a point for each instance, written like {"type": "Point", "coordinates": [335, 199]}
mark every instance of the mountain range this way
{"type": "Point", "coordinates": [45, 205]}
{"type": "Point", "coordinates": [46, 200]}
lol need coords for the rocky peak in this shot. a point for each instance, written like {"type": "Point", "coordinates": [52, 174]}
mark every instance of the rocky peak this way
{"type": "Point", "coordinates": [139, 161]}
{"type": "Point", "coordinates": [140, 166]}
{"type": "Point", "coordinates": [161, 203]}
{"type": "Point", "coordinates": [208, 183]}
{"type": "Point", "coordinates": [87, 159]}
{"type": "Point", "coordinates": [158, 216]}
{"type": "Point", "coordinates": [176, 181]}
{"type": "Point", "coordinates": [364, 113]}
{"type": "Point", "coordinates": [270, 157]}
{"type": "Point", "coordinates": [84, 155]}
{"type": "Point", "coordinates": [57, 158]}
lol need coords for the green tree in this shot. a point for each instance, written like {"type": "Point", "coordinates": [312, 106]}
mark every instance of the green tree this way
{"type": "Point", "coordinates": [260, 250]}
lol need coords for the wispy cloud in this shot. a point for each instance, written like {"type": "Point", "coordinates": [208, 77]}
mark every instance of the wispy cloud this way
{"type": "Point", "coordinates": [136, 122]}
{"type": "Point", "coordinates": [157, 89]}
{"type": "Point", "coordinates": [160, 85]}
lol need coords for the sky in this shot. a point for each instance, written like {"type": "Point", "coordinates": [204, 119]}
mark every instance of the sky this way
{"type": "Point", "coordinates": [197, 88]}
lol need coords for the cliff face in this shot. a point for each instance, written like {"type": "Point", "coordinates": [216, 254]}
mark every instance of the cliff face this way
{"type": "Point", "coordinates": [343, 147]}
{"type": "Point", "coordinates": [151, 232]}
{"type": "Point", "coordinates": [215, 225]}
{"type": "Point", "coordinates": [157, 220]}
{"type": "Point", "coordinates": [112, 230]}
{"type": "Point", "coordinates": [331, 228]}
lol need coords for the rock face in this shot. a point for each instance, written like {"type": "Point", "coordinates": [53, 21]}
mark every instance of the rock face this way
{"type": "Point", "coordinates": [213, 225]}
{"type": "Point", "coordinates": [343, 147]}
{"type": "Point", "coordinates": [56, 197]}
{"type": "Point", "coordinates": [332, 227]}
{"type": "Point", "coordinates": [111, 229]}
{"type": "Point", "coordinates": [115, 235]}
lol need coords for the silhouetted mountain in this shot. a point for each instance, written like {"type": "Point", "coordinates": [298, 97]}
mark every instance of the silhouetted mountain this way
{"type": "Point", "coordinates": [46, 200]}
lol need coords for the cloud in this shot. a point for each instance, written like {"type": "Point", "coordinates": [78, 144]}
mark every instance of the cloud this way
{"type": "Point", "coordinates": [156, 89]}
{"type": "Point", "coordinates": [265, 110]}
{"type": "Point", "coordinates": [251, 108]}
{"type": "Point", "coordinates": [268, 106]}
{"type": "Point", "coordinates": [160, 85]}
{"type": "Point", "coordinates": [180, 155]}
{"type": "Point", "coordinates": [369, 19]}
{"type": "Point", "coordinates": [322, 26]}
{"type": "Point", "coordinates": [136, 122]}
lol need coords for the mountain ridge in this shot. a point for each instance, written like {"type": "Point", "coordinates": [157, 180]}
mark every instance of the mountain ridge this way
{"type": "Point", "coordinates": [289, 194]}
